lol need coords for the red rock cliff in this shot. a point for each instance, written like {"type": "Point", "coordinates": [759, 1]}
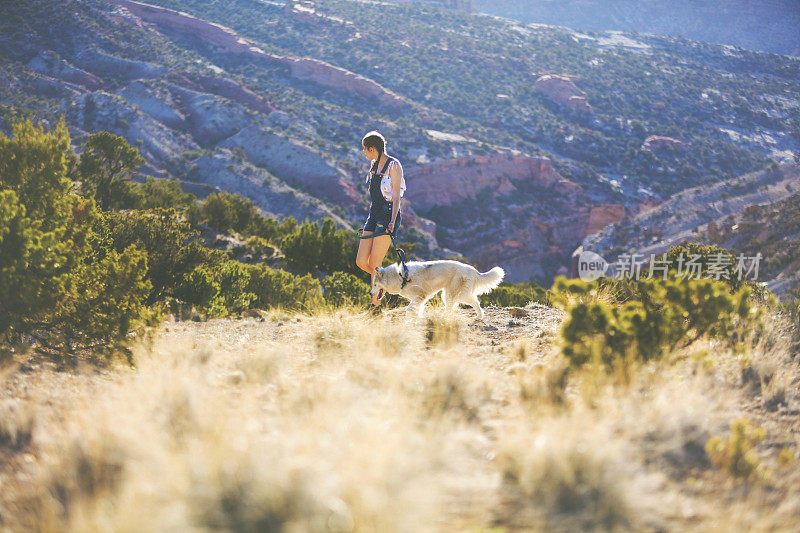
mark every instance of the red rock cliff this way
{"type": "Point", "coordinates": [450, 181]}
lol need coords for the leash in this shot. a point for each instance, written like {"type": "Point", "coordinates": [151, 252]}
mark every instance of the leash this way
{"type": "Point", "coordinates": [380, 231]}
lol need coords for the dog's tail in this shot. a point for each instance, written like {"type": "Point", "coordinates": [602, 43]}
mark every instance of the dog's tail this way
{"type": "Point", "coordinates": [489, 280]}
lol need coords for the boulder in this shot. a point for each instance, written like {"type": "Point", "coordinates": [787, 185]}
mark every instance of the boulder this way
{"type": "Point", "coordinates": [658, 142]}
{"type": "Point", "coordinates": [562, 90]}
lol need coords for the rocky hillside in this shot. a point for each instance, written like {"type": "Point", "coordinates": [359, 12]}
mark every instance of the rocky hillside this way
{"type": "Point", "coordinates": [768, 25]}
{"type": "Point", "coordinates": [518, 140]}
{"type": "Point", "coordinates": [756, 213]}
{"type": "Point", "coordinates": [778, 241]}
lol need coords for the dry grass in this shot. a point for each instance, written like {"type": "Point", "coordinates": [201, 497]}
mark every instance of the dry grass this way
{"type": "Point", "coordinates": [336, 422]}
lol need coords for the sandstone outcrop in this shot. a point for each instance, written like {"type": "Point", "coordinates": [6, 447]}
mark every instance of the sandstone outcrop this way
{"type": "Point", "coordinates": [562, 89]}
{"type": "Point", "coordinates": [227, 40]}
{"type": "Point", "coordinates": [103, 64]}
{"type": "Point", "coordinates": [301, 11]}
{"type": "Point", "coordinates": [233, 91]}
{"type": "Point", "coordinates": [156, 101]}
{"type": "Point", "coordinates": [323, 73]}
{"type": "Point", "coordinates": [273, 196]}
{"type": "Point", "coordinates": [507, 209]}
{"type": "Point", "coordinates": [211, 118]}
{"type": "Point", "coordinates": [686, 216]}
{"type": "Point", "coordinates": [450, 181]}
{"type": "Point", "coordinates": [51, 65]}
{"type": "Point", "coordinates": [602, 215]}
{"type": "Point", "coordinates": [211, 33]}
{"type": "Point", "coordinates": [658, 142]}
{"type": "Point", "coordinates": [103, 111]}
{"type": "Point", "coordinates": [296, 164]}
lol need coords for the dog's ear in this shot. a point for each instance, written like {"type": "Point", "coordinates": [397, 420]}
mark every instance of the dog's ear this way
{"type": "Point", "coordinates": [378, 272]}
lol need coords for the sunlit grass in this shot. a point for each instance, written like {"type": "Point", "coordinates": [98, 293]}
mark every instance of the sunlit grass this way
{"type": "Point", "coordinates": [341, 422]}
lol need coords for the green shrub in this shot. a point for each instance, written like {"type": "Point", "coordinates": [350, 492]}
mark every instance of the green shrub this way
{"type": "Point", "coordinates": [160, 193]}
{"type": "Point", "coordinates": [718, 263]}
{"type": "Point", "coordinates": [198, 288]}
{"type": "Point", "coordinates": [234, 281]}
{"type": "Point", "coordinates": [168, 242]}
{"type": "Point", "coordinates": [278, 288]}
{"type": "Point", "coordinates": [341, 288]}
{"type": "Point", "coordinates": [32, 277]}
{"type": "Point", "coordinates": [104, 300]}
{"type": "Point", "coordinates": [261, 246]}
{"type": "Point", "coordinates": [226, 212]}
{"type": "Point", "coordinates": [515, 295]}
{"type": "Point", "coordinates": [59, 283]}
{"type": "Point", "coordinates": [735, 456]}
{"type": "Point", "coordinates": [34, 165]}
{"type": "Point", "coordinates": [651, 319]}
{"type": "Point", "coordinates": [105, 165]}
{"type": "Point", "coordinates": [314, 248]}
{"type": "Point", "coordinates": [217, 290]}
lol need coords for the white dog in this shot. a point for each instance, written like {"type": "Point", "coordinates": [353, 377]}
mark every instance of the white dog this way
{"type": "Point", "coordinates": [459, 283]}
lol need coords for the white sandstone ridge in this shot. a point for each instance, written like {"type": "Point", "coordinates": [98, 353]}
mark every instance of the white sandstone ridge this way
{"type": "Point", "coordinates": [103, 111]}
{"type": "Point", "coordinates": [183, 105]}
{"type": "Point", "coordinates": [296, 164]}
{"type": "Point", "coordinates": [223, 171]}
{"type": "Point", "coordinates": [224, 38]}
{"type": "Point", "coordinates": [157, 101]}
{"type": "Point", "coordinates": [104, 64]}
{"type": "Point", "coordinates": [49, 64]}
{"type": "Point", "coordinates": [211, 118]}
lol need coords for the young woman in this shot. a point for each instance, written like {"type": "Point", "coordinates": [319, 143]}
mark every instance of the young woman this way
{"type": "Point", "coordinates": [386, 186]}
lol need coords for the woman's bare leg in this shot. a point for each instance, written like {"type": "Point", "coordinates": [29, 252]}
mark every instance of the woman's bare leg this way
{"type": "Point", "coordinates": [364, 249]}
{"type": "Point", "coordinates": [380, 246]}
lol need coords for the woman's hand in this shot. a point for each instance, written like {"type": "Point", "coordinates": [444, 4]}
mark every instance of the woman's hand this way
{"type": "Point", "coordinates": [390, 227]}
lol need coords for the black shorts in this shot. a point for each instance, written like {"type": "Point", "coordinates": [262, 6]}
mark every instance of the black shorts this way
{"type": "Point", "coordinates": [381, 217]}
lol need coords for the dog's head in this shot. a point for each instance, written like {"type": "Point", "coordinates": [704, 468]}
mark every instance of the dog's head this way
{"type": "Point", "coordinates": [387, 279]}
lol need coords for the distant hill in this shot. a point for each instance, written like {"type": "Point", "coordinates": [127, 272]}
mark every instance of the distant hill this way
{"type": "Point", "coordinates": [518, 140]}
{"type": "Point", "coordinates": [752, 214]}
{"type": "Point", "coordinates": [767, 25]}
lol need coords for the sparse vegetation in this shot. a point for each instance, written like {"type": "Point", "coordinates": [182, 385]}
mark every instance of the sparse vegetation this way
{"type": "Point", "coordinates": [287, 419]}
{"type": "Point", "coordinates": [652, 318]}
{"type": "Point", "coordinates": [735, 455]}
{"type": "Point", "coordinates": [77, 278]}
{"type": "Point", "coordinates": [268, 401]}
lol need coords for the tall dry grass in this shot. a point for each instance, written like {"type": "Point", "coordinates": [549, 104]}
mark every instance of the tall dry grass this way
{"type": "Point", "coordinates": [335, 422]}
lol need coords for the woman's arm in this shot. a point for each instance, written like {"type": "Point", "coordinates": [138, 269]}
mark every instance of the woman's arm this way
{"type": "Point", "coordinates": [396, 173]}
